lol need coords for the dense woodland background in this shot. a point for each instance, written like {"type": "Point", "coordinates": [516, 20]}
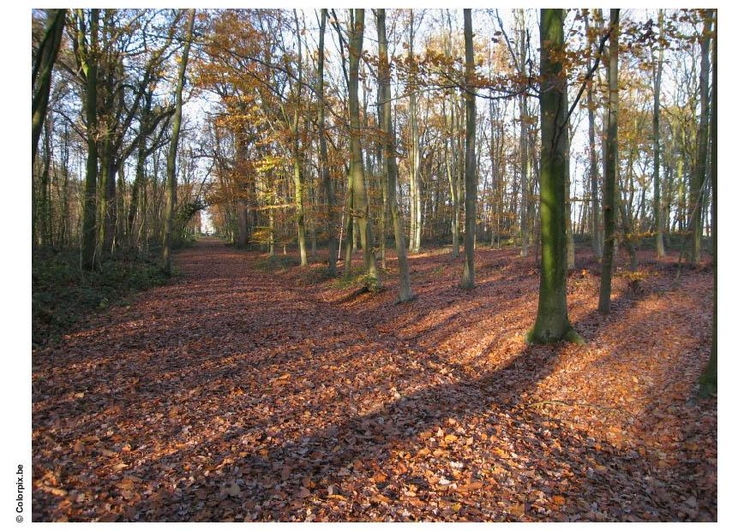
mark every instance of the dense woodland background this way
{"type": "Point", "coordinates": [250, 145]}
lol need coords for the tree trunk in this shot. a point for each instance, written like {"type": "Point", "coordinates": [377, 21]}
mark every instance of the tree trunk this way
{"type": "Point", "coordinates": [658, 218]}
{"type": "Point", "coordinates": [467, 280]}
{"type": "Point", "coordinates": [42, 73]}
{"type": "Point", "coordinates": [709, 377]}
{"type": "Point", "coordinates": [88, 61]}
{"type": "Point", "coordinates": [166, 262]}
{"type": "Point", "coordinates": [596, 242]}
{"type": "Point", "coordinates": [697, 196]}
{"type": "Point", "coordinates": [323, 148]}
{"type": "Point", "coordinates": [610, 173]}
{"type": "Point", "coordinates": [552, 322]}
{"type": "Point", "coordinates": [359, 191]}
{"type": "Point", "coordinates": [384, 70]}
{"type": "Point", "coordinates": [299, 182]}
{"type": "Point", "coordinates": [416, 156]}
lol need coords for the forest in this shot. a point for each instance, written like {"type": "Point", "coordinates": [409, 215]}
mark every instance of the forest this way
{"type": "Point", "coordinates": [374, 264]}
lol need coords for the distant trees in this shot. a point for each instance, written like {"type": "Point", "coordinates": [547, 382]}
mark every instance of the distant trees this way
{"type": "Point", "coordinates": [283, 141]}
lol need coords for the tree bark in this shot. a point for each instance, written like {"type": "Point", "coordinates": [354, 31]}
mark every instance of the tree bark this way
{"type": "Point", "coordinates": [697, 181]}
{"type": "Point", "coordinates": [552, 322]}
{"type": "Point", "coordinates": [709, 377]}
{"type": "Point", "coordinates": [658, 217]}
{"type": "Point", "coordinates": [596, 242]}
{"type": "Point", "coordinates": [42, 73]}
{"type": "Point", "coordinates": [166, 263]}
{"type": "Point", "coordinates": [610, 173]}
{"type": "Point", "coordinates": [299, 181]}
{"type": "Point", "coordinates": [87, 58]}
{"type": "Point", "coordinates": [384, 71]}
{"type": "Point", "coordinates": [415, 240]}
{"type": "Point", "coordinates": [467, 280]}
{"type": "Point", "coordinates": [359, 191]}
{"type": "Point", "coordinates": [331, 220]}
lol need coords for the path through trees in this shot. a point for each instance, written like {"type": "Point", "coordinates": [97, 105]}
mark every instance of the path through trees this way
{"type": "Point", "coordinates": [247, 390]}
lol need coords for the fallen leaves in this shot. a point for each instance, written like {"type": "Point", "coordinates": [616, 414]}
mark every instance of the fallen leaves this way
{"type": "Point", "coordinates": [240, 395]}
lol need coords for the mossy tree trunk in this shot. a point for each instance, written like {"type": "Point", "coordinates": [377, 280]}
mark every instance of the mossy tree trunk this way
{"type": "Point", "coordinates": [44, 62]}
{"type": "Point", "coordinates": [552, 322]}
{"type": "Point", "coordinates": [709, 377]}
{"type": "Point", "coordinates": [87, 58]}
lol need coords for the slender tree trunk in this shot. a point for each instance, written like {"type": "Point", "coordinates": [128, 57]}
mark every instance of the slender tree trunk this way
{"type": "Point", "coordinates": [384, 70]}
{"type": "Point", "coordinates": [359, 191]}
{"type": "Point", "coordinates": [299, 182]}
{"type": "Point", "coordinates": [709, 377]}
{"type": "Point", "coordinates": [166, 263]}
{"type": "Point", "coordinates": [88, 59]}
{"type": "Point", "coordinates": [331, 221]}
{"type": "Point", "coordinates": [596, 242]}
{"type": "Point", "coordinates": [552, 322]}
{"type": "Point", "coordinates": [697, 182]}
{"type": "Point", "coordinates": [610, 177]}
{"type": "Point", "coordinates": [467, 280]}
{"type": "Point", "coordinates": [524, 142]}
{"type": "Point", "coordinates": [658, 218]}
{"type": "Point", "coordinates": [416, 155]}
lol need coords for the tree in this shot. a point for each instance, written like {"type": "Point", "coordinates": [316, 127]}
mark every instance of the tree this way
{"type": "Point", "coordinates": [610, 167]}
{"type": "Point", "coordinates": [467, 281]}
{"type": "Point", "coordinates": [552, 322]}
{"type": "Point", "coordinates": [384, 71]}
{"type": "Point", "coordinates": [299, 181]}
{"type": "Point", "coordinates": [709, 377]}
{"type": "Point", "coordinates": [173, 143]}
{"type": "Point", "coordinates": [596, 242]}
{"type": "Point", "coordinates": [87, 58]}
{"type": "Point", "coordinates": [41, 77]}
{"type": "Point", "coordinates": [658, 217]}
{"type": "Point", "coordinates": [360, 206]}
{"type": "Point", "coordinates": [323, 149]}
{"type": "Point", "coordinates": [697, 183]}
{"type": "Point", "coordinates": [415, 239]}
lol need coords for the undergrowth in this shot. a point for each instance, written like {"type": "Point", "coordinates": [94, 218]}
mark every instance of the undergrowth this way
{"type": "Point", "coordinates": [62, 294]}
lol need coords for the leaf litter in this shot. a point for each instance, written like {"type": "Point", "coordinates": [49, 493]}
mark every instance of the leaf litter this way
{"type": "Point", "coordinates": [248, 393]}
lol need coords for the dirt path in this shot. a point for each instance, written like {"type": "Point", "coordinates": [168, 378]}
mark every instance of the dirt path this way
{"type": "Point", "coordinates": [248, 392]}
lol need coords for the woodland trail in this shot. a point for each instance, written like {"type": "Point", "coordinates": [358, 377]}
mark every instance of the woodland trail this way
{"type": "Point", "coordinates": [244, 392]}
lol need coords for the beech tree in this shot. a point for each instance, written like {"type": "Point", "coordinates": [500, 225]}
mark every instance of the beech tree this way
{"type": "Point", "coordinates": [698, 180]}
{"type": "Point", "coordinates": [360, 204]}
{"type": "Point", "coordinates": [467, 281]}
{"type": "Point", "coordinates": [552, 322]}
{"type": "Point", "coordinates": [173, 143]}
{"type": "Point", "coordinates": [391, 167]}
{"type": "Point", "coordinates": [610, 167]}
{"type": "Point", "coordinates": [87, 48]}
{"type": "Point", "coordinates": [41, 76]}
{"type": "Point", "coordinates": [709, 378]}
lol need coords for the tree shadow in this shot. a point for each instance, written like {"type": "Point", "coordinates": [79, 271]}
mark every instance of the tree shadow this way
{"type": "Point", "coordinates": [273, 433]}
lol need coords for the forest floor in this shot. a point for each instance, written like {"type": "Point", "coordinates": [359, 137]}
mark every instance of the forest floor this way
{"type": "Point", "coordinates": [252, 390]}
